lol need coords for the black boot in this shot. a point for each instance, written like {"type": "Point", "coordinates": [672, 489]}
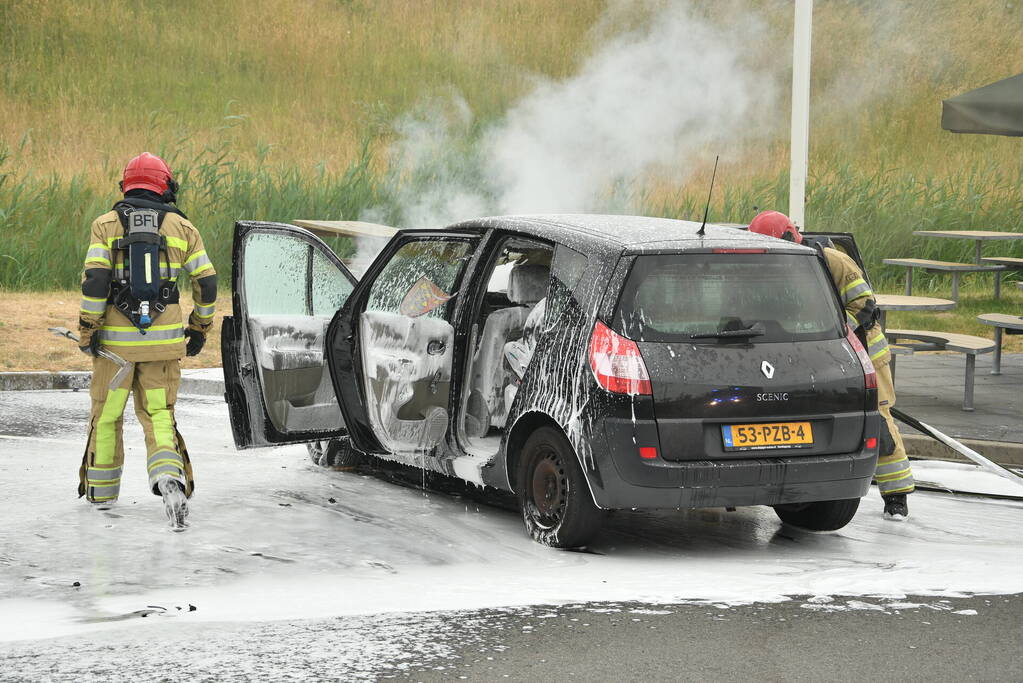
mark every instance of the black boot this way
{"type": "Point", "coordinates": [895, 507]}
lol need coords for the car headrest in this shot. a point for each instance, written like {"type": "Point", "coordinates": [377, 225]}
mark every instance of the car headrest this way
{"type": "Point", "coordinates": [527, 283]}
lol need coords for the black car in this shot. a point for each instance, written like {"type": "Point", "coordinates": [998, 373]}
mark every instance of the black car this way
{"type": "Point", "coordinates": [585, 363]}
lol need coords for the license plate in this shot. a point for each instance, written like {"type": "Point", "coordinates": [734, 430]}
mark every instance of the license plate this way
{"type": "Point", "coordinates": [773, 435]}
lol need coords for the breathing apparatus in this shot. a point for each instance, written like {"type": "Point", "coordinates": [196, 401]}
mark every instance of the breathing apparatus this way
{"type": "Point", "coordinates": [141, 294]}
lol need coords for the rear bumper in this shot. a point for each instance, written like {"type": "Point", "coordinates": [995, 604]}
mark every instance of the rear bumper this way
{"type": "Point", "coordinates": [624, 480]}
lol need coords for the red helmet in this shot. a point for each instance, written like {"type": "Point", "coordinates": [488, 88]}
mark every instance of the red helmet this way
{"type": "Point", "coordinates": [147, 172]}
{"type": "Point", "coordinates": [776, 224]}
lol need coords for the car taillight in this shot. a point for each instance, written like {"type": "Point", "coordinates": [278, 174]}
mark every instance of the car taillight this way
{"type": "Point", "coordinates": [869, 374]}
{"type": "Point", "coordinates": [617, 363]}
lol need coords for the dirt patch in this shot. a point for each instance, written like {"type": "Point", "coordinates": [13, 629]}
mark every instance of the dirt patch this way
{"type": "Point", "coordinates": [25, 343]}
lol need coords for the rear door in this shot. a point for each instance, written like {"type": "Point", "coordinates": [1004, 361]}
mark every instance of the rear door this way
{"type": "Point", "coordinates": [683, 310]}
{"type": "Point", "coordinates": [844, 242]}
{"type": "Point", "coordinates": [392, 347]}
{"type": "Point", "coordinates": [287, 285]}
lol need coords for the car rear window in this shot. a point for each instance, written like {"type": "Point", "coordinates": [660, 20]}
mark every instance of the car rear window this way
{"type": "Point", "coordinates": [670, 297]}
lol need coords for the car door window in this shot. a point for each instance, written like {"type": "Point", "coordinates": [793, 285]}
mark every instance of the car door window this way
{"type": "Point", "coordinates": [566, 272]}
{"type": "Point", "coordinates": [407, 341]}
{"type": "Point", "coordinates": [291, 291]}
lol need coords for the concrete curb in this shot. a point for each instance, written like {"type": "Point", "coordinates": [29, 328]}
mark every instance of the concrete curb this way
{"type": "Point", "coordinates": [79, 381]}
{"type": "Point", "coordinates": [1002, 452]}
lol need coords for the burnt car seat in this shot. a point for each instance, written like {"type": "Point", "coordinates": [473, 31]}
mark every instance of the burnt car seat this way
{"type": "Point", "coordinates": [527, 285]}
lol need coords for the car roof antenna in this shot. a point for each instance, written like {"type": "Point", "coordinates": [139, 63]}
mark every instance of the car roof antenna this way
{"type": "Point", "coordinates": [706, 209]}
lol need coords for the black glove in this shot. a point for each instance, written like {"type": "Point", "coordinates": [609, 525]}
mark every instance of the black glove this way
{"type": "Point", "coordinates": [92, 348]}
{"type": "Point", "coordinates": [194, 342]}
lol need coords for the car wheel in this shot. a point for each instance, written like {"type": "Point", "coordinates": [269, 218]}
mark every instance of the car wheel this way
{"type": "Point", "coordinates": [338, 454]}
{"type": "Point", "coordinates": [556, 504]}
{"type": "Point", "coordinates": [825, 515]}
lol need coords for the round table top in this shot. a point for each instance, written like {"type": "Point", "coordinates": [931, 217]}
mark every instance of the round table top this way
{"type": "Point", "coordinates": [971, 234]}
{"type": "Point", "coordinates": [901, 302]}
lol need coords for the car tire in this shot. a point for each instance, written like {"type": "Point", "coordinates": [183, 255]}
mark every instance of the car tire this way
{"type": "Point", "coordinates": [825, 515]}
{"type": "Point", "coordinates": [337, 454]}
{"type": "Point", "coordinates": [555, 501]}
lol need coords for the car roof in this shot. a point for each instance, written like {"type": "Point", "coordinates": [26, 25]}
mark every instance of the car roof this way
{"type": "Point", "coordinates": [631, 233]}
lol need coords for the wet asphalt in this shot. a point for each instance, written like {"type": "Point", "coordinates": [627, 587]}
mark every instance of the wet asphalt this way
{"type": "Point", "coordinates": [853, 639]}
{"type": "Point", "coordinates": [790, 641]}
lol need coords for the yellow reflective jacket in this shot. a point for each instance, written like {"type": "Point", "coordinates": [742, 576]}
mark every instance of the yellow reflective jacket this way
{"type": "Point", "coordinates": [165, 339]}
{"type": "Point", "coordinates": [855, 292]}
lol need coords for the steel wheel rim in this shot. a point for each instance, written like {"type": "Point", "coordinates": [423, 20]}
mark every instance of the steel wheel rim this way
{"type": "Point", "coordinates": [548, 489]}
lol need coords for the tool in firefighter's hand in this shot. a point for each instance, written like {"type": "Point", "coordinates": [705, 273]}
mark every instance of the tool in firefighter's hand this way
{"type": "Point", "coordinates": [123, 365]}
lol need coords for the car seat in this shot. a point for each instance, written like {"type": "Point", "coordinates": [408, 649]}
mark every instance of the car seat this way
{"type": "Point", "coordinates": [527, 285]}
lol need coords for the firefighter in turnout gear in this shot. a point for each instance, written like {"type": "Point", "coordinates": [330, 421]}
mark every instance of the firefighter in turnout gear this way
{"type": "Point", "coordinates": [130, 307]}
{"type": "Point", "coordinates": [894, 476]}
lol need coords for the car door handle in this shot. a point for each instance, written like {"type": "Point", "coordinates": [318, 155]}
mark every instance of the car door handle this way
{"type": "Point", "coordinates": [435, 347]}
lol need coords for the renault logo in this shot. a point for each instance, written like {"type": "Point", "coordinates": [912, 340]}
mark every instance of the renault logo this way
{"type": "Point", "coordinates": [767, 369]}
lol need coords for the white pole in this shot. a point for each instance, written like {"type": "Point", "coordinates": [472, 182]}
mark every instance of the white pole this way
{"type": "Point", "coordinates": [800, 143]}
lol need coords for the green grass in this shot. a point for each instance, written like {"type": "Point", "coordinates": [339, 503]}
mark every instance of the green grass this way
{"type": "Point", "coordinates": [45, 221]}
{"type": "Point", "coordinates": [278, 110]}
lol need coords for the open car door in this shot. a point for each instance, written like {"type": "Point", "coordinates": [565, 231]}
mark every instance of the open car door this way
{"type": "Point", "coordinates": [287, 285]}
{"type": "Point", "coordinates": [844, 242]}
{"type": "Point", "coordinates": [391, 348]}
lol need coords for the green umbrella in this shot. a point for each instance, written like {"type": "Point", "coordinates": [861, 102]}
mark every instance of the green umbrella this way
{"type": "Point", "coordinates": [995, 109]}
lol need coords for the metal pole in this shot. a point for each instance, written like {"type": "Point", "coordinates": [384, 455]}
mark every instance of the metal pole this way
{"type": "Point", "coordinates": [800, 142]}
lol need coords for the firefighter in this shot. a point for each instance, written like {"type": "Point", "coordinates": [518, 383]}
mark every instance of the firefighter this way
{"type": "Point", "coordinates": [136, 253]}
{"type": "Point", "coordinates": [894, 476]}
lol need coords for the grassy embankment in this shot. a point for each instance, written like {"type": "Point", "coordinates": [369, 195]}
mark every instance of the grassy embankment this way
{"type": "Point", "coordinates": [277, 110]}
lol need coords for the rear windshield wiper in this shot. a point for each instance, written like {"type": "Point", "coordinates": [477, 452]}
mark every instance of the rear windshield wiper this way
{"type": "Point", "coordinates": [754, 330]}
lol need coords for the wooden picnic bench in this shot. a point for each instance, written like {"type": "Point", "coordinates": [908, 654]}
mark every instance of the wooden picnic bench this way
{"type": "Point", "coordinates": [1013, 324]}
{"type": "Point", "coordinates": [1010, 263]}
{"type": "Point", "coordinates": [928, 340]}
{"type": "Point", "coordinates": [945, 266]}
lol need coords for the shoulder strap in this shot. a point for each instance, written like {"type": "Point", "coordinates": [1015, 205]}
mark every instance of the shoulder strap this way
{"type": "Point", "coordinates": [139, 203]}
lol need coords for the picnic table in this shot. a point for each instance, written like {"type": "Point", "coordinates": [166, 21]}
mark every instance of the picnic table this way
{"type": "Point", "coordinates": [902, 302]}
{"type": "Point", "coordinates": [981, 264]}
{"type": "Point", "coordinates": [1013, 324]}
{"type": "Point", "coordinates": [909, 341]}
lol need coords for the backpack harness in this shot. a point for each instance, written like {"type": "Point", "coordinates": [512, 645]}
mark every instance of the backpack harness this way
{"type": "Point", "coordinates": [142, 295]}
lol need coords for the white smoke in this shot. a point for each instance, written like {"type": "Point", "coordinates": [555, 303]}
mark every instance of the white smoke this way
{"type": "Point", "coordinates": [652, 99]}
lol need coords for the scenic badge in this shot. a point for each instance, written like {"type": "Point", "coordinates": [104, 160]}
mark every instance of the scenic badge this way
{"type": "Point", "coordinates": [422, 297]}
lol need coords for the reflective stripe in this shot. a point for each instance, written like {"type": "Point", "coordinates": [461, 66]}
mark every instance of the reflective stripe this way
{"type": "Point", "coordinates": [164, 463]}
{"type": "Point", "coordinates": [851, 320]}
{"type": "Point", "coordinates": [98, 253]}
{"type": "Point", "coordinates": [115, 335]}
{"type": "Point", "coordinates": [106, 426]}
{"type": "Point", "coordinates": [171, 471]}
{"type": "Point", "coordinates": [894, 476]}
{"type": "Point", "coordinates": [177, 243]}
{"type": "Point", "coordinates": [202, 311]}
{"type": "Point", "coordinates": [855, 289]}
{"type": "Point", "coordinates": [101, 494]}
{"type": "Point", "coordinates": [91, 305]}
{"type": "Point", "coordinates": [877, 346]}
{"type": "Point", "coordinates": [885, 490]}
{"type": "Point", "coordinates": [100, 476]}
{"type": "Point", "coordinates": [893, 467]}
{"type": "Point", "coordinates": [198, 262]}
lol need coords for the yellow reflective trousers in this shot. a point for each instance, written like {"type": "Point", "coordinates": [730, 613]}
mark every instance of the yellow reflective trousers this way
{"type": "Point", "coordinates": [893, 473]}
{"type": "Point", "coordinates": [155, 386]}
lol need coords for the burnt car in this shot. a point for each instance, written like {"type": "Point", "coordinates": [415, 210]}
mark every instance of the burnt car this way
{"type": "Point", "coordinates": [586, 363]}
